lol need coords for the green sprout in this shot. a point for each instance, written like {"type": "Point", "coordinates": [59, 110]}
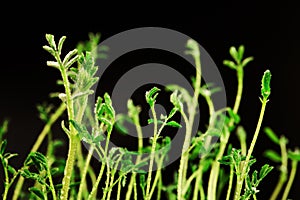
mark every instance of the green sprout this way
{"type": "Point", "coordinates": [119, 173]}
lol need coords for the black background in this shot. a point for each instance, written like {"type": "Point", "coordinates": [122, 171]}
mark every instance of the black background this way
{"type": "Point", "coordinates": [269, 33]}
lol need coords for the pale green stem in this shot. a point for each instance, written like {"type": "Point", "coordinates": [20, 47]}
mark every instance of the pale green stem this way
{"type": "Point", "coordinates": [159, 188]}
{"type": "Point", "coordinates": [198, 182]}
{"type": "Point", "coordinates": [119, 190]}
{"type": "Point", "coordinates": [135, 191]}
{"type": "Point", "coordinates": [152, 154]}
{"type": "Point", "coordinates": [112, 178]}
{"type": "Point", "coordinates": [215, 168]}
{"type": "Point", "coordinates": [240, 182]}
{"type": "Point", "coordinates": [230, 182]}
{"type": "Point", "coordinates": [213, 179]}
{"type": "Point", "coordinates": [240, 76]}
{"type": "Point", "coordinates": [51, 185]}
{"type": "Point", "coordinates": [73, 133]}
{"type": "Point", "coordinates": [157, 176]}
{"type": "Point", "coordinates": [38, 143]}
{"type": "Point", "coordinates": [69, 167]}
{"type": "Point", "coordinates": [84, 172]}
{"type": "Point", "coordinates": [95, 186]}
{"type": "Point", "coordinates": [183, 160]}
{"type": "Point", "coordinates": [283, 171]}
{"type": "Point", "coordinates": [290, 180]}
{"type": "Point", "coordinates": [189, 125]}
{"type": "Point", "coordinates": [132, 181]}
{"type": "Point", "coordinates": [254, 197]}
{"type": "Point", "coordinates": [6, 183]}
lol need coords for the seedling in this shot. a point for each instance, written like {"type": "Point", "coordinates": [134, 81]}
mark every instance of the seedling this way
{"type": "Point", "coordinates": [118, 175]}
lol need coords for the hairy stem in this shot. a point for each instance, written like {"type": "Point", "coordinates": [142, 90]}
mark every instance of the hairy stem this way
{"type": "Point", "coordinates": [198, 182]}
{"type": "Point", "coordinates": [132, 181]}
{"type": "Point", "coordinates": [53, 118]}
{"type": "Point", "coordinates": [153, 148]}
{"type": "Point", "coordinates": [230, 182]}
{"type": "Point", "coordinates": [240, 181]}
{"type": "Point", "coordinates": [291, 180]}
{"type": "Point", "coordinates": [183, 160]}
{"type": "Point", "coordinates": [119, 190]}
{"type": "Point", "coordinates": [213, 178]}
{"type": "Point", "coordinates": [283, 171]}
{"type": "Point", "coordinates": [95, 186]}
{"type": "Point", "coordinates": [84, 172]}
{"type": "Point", "coordinates": [69, 167]}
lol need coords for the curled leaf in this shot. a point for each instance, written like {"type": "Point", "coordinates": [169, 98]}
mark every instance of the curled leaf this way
{"type": "Point", "coordinates": [265, 84]}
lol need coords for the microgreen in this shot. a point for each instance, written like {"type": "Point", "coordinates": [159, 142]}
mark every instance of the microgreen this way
{"type": "Point", "coordinates": [123, 174]}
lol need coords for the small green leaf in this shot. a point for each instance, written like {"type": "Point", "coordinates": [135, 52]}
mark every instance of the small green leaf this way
{"type": "Point", "coordinates": [49, 49]}
{"type": "Point", "coordinates": [98, 139]}
{"type": "Point", "coordinates": [11, 170]}
{"type": "Point", "coordinates": [264, 171]}
{"type": "Point", "coordinates": [174, 124]}
{"type": "Point", "coordinates": [249, 185]}
{"type": "Point", "coordinates": [142, 183]}
{"type": "Point", "coordinates": [234, 116]}
{"type": "Point", "coordinates": [272, 155]}
{"type": "Point", "coordinates": [241, 133]}
{"type": "Point", "coordinates": [151, 96]}
{"type": "Point", "coordinates": [37, 192]}
{"type": "Point", "coordinates": [60, 44]}
{"type": "Point", "coordinates": [50, 39]}
{"type": "Point", "coordinates": [241, 51]}
{"type": "Point", "coordinates": [246, 61]}
{"type": "Point", "coordinates": [3, 129]}
{"type": "Point", "coordinates": [3, 147]}
{"type": "Point", "coordinates": [193, 48]}
{"type": "Point", "coordinates": [294, 155]}
{"type": "Point", "coordinates": [271, 135]}
{"type": "Point", "coordinates": [71, 62]}
{"type": "Point", "coordinates": [229, 64]}
{"type": "Point", "coordinates": [234, 54]}
{"type": "Point", "coordinates": [265, 84]}
{"type": "Point", "coordinates": [54, 171]}
{"type": "Point", "coordinates": [69, 56]}
{"type": "Point", "coordinates": [254, 177]}
{"type": "Point", "coordinates": [172, 112]}
{"type": "Point", "coordinates": [10, 155]}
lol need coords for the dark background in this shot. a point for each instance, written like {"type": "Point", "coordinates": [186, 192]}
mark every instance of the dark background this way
{"type": "Point", "coordinates": [269, 32]}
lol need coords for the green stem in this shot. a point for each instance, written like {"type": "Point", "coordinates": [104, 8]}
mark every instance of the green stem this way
{"type": "Point", "coordinates": [189, 126]}
{"type": "Point", "coordinates": [157, 176]}
{"type": "Point", "coordinates": [69, 167]}
{"type": "Point", "coordinates": [240, 76]}
{"type": "Point", "coordinates": [152, 154]}
{"type": "Point", "coordinates": [84, 172]}
{"type": "Point", "coordinates": [283, 170]}
{"type": "Point", "coordinates": [183, 160]}
{"type": "Point", "coordinates": [291, 180]}
{"type": "Point", "coordinates": [215, 168]}
{"type": "Point", "coordinates": [213, 178]}
{"type": "Point", "coordinates": [140, 148]}
{"type": "Point", "coordinates": [198, 182]}
{"type": "Point", "coordinates": [159, 188]}
{"type": "Point", "coordinates": [6, 183]}
{"type": "Point", "coordinates": [53, 118]}
{"type": "Point", "coordinates": [254, 197]}
{"type": "Point", "coordinates": [119, 190]}
{"type": "Point", "coordinates": [95, 186]}
{"type": "Point", "coordinates": [240, 182]}
{"type": "Point", "coordinates": [104, 162]}
{"type": "Point", "coordinates": [51, 185]}
{"type": "Point", "coordinates": [72, 137]}
{"type": "Point", "coordinates": [230, 182]}
{"type": "Point", "coordinates": [135, 191]}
